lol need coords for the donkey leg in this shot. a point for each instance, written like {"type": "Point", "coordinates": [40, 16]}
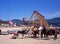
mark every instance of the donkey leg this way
{"type": "Point", "coordinates": [55, 35]}
{"type": "Point", "coordinates": [47, 38]}
{"type": "Point", "coordinates": [41, 34]}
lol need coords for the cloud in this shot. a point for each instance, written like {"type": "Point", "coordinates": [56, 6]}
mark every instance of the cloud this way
{"type": "Point", "coordinates": [57, 14]}
{"type": "Point", "coordinates": [52, 15]}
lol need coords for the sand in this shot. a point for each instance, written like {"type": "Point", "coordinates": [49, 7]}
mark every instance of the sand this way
{"type": "Point", "coordinates": [6, 39]}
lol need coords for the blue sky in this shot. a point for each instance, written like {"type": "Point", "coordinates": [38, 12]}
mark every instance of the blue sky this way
{"type": "Point", "coordinates": [17, 9]}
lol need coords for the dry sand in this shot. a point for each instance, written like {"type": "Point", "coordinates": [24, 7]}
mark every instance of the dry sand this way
{"type": "Point", "coordinates": [6, 39]}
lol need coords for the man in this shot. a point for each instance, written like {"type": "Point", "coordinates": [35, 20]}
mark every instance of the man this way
{"type": "Point", "coordinates": [40, 29]}
{"type": "Point", "coordinates": [43, 31]}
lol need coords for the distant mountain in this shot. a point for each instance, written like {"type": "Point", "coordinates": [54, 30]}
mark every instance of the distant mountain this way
{"type": "Point", "coordinates": [54, 21]}
{"type": "Point", "coordinates": [3, 22]}
{"type": "Point", "coordinates": [17, 21]}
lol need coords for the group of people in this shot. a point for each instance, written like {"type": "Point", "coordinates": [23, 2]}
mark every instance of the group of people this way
{"type": "Point", "coordinates": [36, 30]}
{"type": "Point", "coordinates": [40, 30]}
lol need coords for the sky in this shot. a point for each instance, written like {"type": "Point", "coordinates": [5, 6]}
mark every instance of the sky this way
{"type": "Point", "coordinates": [17, 9]}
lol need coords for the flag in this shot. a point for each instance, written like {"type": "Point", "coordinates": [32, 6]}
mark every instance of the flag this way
{"type": "Point", "coordinates": [10, 22]}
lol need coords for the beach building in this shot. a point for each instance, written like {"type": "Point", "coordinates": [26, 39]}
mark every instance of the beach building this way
{"type": "Point", "coordinates": [4, 23]}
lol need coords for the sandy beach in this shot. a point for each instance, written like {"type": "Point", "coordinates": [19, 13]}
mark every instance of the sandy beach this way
{"type": "Point", "coordinates": [6, 39]}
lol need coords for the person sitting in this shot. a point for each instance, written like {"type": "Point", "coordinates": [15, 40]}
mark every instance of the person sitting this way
{"type": "Point", "coordinates": [15, 35]}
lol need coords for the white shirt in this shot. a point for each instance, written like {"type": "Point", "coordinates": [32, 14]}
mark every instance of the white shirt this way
{"type": "Point", "coordinates": [40, 28]}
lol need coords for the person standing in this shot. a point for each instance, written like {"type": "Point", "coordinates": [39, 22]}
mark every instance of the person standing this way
{"type": "Point", "coordinates": [0, 31]}
{"type": "Point", "coordinates": [39, 30]}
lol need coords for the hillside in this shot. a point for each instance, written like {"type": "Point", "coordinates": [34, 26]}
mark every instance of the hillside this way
{"type": "Point", "coordinates": [17, 21]}
{"type": "Point", "coordinates": [54, 21]}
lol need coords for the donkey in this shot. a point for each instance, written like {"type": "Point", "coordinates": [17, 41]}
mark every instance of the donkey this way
{"type": "Point", "coordinates": [24, 32]}
{"type": "Point", "coordinates": [49, 32]}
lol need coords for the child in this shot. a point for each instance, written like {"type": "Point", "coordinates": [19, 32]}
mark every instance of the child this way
{"type": "Point", "coordinates": [15, 35]}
